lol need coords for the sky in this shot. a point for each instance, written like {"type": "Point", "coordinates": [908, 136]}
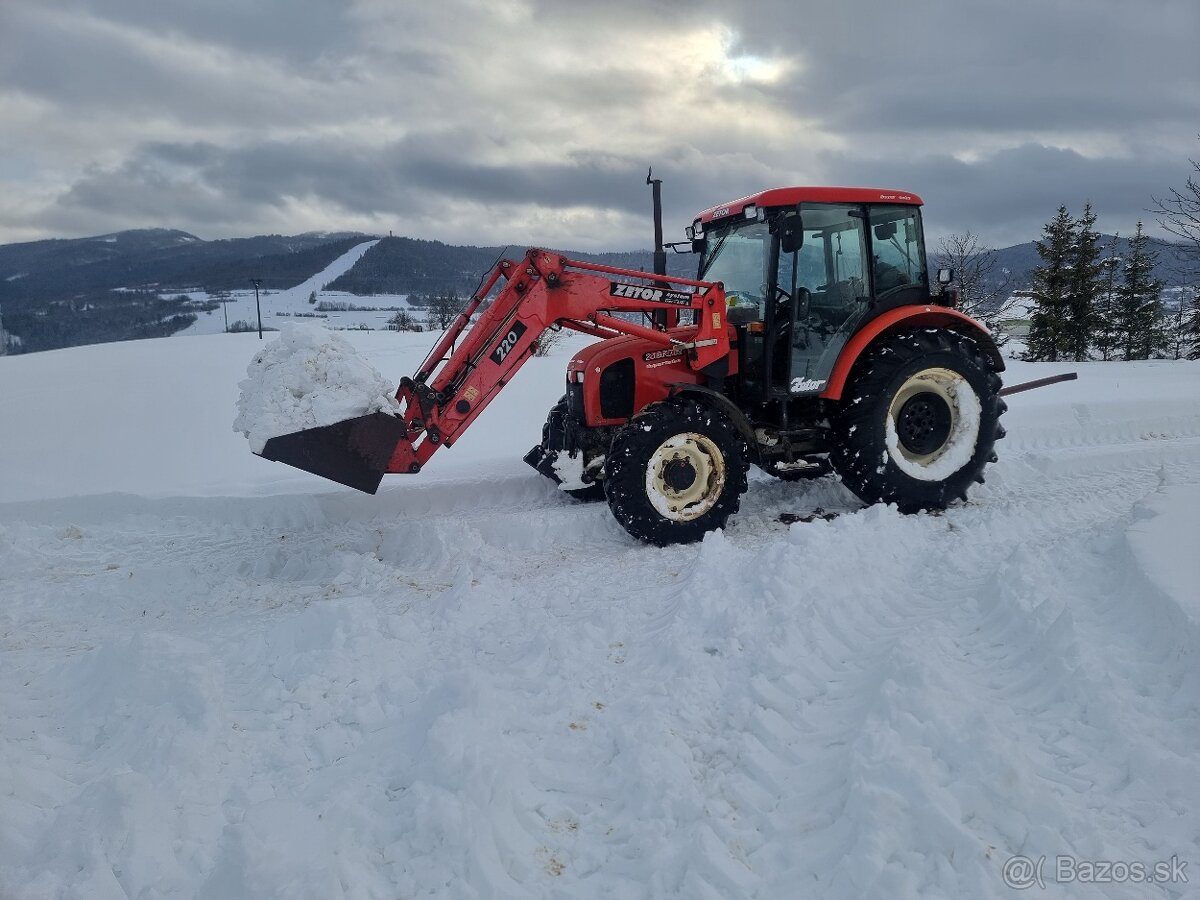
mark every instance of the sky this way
{"type": "Point", "coordinates": [534, 122]}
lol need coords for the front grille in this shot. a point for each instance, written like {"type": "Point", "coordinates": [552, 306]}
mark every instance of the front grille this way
{"type": "Point", "coordinates": [616, 390]}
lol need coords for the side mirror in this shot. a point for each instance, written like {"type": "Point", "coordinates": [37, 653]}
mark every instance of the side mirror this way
{"type": "Point", "coordinates": [791, 233]}
{"type": "Point", "coordinates": [945, 276]}
{"type": "Point", "coordinates": [885, 230]}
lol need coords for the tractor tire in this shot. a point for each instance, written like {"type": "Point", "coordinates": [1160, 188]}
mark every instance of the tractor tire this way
{"type": "Point", "coordinates": [590, 494]}
{"type": "Point", "coordinates": [675, 472]}
{"type": "Point", "coordinates": [918, 420]}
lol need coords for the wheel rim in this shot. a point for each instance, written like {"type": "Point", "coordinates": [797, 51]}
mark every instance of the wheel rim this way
{"type": "Point", "coordinates": [926, 416]}
{"type": "Point", "coordinates": [685, 476]}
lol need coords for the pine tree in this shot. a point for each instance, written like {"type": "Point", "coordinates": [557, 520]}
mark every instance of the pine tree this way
{"type": "Point", "coordinates": [1139, 302]}
{"type": "Point", "coordinates": [1079, 329]}
{"type": "Point", "coordinates": [1191, 329]}
{"type": "Point", "coordinates": [1106, 301]}
{"type": "Point", "coordinates": [1052, 289]}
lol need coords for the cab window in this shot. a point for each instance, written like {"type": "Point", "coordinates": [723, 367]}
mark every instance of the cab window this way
{"type": "Point", "coordinates": [897, 260]}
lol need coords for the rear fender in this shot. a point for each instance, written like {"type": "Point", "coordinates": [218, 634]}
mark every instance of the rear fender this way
{"type": "Point", "coordinates": [906, 318]}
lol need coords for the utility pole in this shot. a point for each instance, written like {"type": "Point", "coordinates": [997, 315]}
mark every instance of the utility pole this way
{"type": "Point", "coordinates": [256, 282]}
{"type": "Point", "coordinates": [225, 309]}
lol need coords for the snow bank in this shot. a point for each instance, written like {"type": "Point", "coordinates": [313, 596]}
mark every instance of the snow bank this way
{"type": "Point", "coordinates": [1157, 540]}
{"type": "Point", "coordinates": [308, 378]}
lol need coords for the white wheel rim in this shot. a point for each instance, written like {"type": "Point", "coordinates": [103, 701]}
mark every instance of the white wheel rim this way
{"type": "Point", "coordinates": [958, 395]}
{"type": "Point", "coordinates": [705, 458]}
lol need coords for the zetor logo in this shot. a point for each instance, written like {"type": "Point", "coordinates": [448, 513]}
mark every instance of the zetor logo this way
{"type": "Point", "coordinates": [508, 342]}
{"type": "Point", "coordinates": [800, 385]}
{"type": "Point", "coordinates": [652, 294]}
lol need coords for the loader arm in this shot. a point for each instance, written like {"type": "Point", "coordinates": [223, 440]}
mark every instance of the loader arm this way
{"type": "Point", "coordinates": [470, 365]}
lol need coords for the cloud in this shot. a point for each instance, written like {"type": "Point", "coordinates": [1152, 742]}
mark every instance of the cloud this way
{"type": "Point", "coordinates": [532, 121]}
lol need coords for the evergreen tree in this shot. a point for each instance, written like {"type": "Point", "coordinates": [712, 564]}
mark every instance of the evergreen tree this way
{"type": "Point", "coordinates": [1138, 311]}
{"type": "Point", "coordinates": [1191, 329]}
{"type": "Point", "coordinates": [1080, 325]}
{"type": "Point", "coordinates": [1052, 283]}
{"type": "Point", "coordinates": [1106, 301]}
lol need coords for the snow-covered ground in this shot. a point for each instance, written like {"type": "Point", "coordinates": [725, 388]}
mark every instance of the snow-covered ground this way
{"type": "Point", "coordinates": [223, 678]}
{"type": "Point", "coordinates": [281, 307]}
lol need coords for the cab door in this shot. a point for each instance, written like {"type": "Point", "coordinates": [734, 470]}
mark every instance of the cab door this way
{"type": "Point", "coordinates": [832, 290]}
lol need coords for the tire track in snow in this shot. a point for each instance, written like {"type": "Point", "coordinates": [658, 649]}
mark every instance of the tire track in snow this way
{"type": "Point", "coordinates": [860, 661]}
{"type": "Point", "coordinates": [597, 717]}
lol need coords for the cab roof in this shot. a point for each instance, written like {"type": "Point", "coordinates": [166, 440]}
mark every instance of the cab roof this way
{"type": "Point", "coordinates": [790, 196]}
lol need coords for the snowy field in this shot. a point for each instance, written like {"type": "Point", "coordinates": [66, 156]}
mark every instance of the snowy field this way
{"type": "Point", "coordinates": [223, 678]}
{"type": "Point", "coordinates": [281, 307]}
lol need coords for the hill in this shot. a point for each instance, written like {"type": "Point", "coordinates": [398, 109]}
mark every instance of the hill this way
{"type": "Point", "coordinates": [1014, 264]}
{"type": "Point", "coordinates": [62, 293]}
{"type": "Point", "coordinates": [401, 265]}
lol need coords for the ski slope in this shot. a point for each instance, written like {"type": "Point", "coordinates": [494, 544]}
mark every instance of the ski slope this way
{"type": "Point", "coordinates": [284, 306]}
{"type": "Point", "coordinates": [222, 678]}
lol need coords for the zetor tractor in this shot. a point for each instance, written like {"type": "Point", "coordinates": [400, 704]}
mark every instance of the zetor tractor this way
{"type": "Point", "coordinates": [809, 341]}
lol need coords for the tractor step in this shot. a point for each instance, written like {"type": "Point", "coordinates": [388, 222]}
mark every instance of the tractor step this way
{"type": "Point", "coordinates": [818, 513]}
{"type": "Point", "coordinates": [354, 452]}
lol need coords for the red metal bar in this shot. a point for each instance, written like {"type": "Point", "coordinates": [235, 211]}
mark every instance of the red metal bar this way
{"type": "Point", "coordinates": [451, 334]}
{"type": "Point", "coordinates": [630, 273]}
{"type": "Point", "coordinates": [650, 334]}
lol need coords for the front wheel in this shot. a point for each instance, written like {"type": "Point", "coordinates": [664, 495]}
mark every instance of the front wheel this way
{"type": "Point", "coordinates": [558, 464]}
{"type": "Point", "coordinates": [675, 473]}
{"type": "Point", "coordinates": [918, 421]}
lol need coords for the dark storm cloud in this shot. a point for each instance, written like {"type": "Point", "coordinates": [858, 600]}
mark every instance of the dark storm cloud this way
{"type": "Point", "coordinates": [1014, 192]}
{"type": "Point", "coordinates": [514, 119]}
{"type": "Point", "coordinates": [997, 67]}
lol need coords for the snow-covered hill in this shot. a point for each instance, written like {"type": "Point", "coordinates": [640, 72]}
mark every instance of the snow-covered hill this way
{"type": "Point", "coordinates": [223, 678]}
{"type": "Point", "coordinates": [282, 307]}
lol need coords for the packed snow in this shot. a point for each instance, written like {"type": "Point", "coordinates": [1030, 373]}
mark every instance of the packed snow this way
{"type": "Point", "coordinates": [224, 678]}
{"type": "Point", "coordinates": [307, 378]}
{"type": "Point", "coordinates": [959, 448]}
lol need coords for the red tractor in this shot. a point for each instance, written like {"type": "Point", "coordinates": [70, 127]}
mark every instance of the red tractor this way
{"type": "Point", "coordinates": [809, 341]}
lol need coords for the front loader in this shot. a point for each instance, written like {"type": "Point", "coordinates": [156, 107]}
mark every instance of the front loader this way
{"type": "Point", "coordinates": [810, 341]}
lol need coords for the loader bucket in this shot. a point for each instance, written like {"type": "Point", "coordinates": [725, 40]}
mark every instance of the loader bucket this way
{"type": "Point", "coordinates": [354, 452]}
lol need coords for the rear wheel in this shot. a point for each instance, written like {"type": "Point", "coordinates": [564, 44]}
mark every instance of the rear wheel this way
{"type": "Point", "coordinates": [918, 420]}
{"type": "Point", "coordinates": [675, 473]}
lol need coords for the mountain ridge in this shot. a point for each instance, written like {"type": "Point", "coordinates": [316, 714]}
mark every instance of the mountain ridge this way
{"type": "Point", "coordinates": [61, 292]}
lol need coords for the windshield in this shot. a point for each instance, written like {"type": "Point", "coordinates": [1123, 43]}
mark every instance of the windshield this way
{"type": "Point", "coordinates": [738, 258]}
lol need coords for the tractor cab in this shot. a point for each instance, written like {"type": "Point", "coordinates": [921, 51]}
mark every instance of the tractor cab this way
{"type": "Point", "coordinates": [803, 269]}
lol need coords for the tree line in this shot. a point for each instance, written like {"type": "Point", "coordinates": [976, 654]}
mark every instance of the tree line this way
{"type": "Point", "coordinates": [1091, 297]}
{"type": "Point", "coordinates": [1092, 302]}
